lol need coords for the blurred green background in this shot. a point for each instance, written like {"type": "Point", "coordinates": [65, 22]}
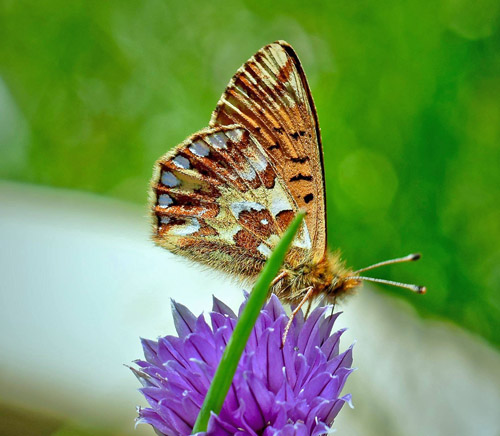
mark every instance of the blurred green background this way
{"type": "Point", "coordinates": [408, 97]}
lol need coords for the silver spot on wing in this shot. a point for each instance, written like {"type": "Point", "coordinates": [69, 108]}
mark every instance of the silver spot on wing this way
{"type": "Point", "coordinates": [168, 179]}
{"type": "Point", "coordinates": [181, 162]}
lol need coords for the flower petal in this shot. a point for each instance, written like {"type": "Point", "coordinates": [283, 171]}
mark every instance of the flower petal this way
{"type": "Point", "coordinates": [269, 360]}
{"type": "Point", "coordinates": [168, 411]}
{"type": "Point", "coordinates": [257, 399]}
{"type": "Point", "coordinates": [309, 334]}
{"type": "Point", "coordinates": [343, 360]}
{"type": "Point", "coordinates": [218, 320]}
{"type": "Point", "coordinates": [184, 320]}
{"type": "Point", "coordinates": [150, 349]}
{"type": "Point", "coordinates": [331, 346]}
{"type": "Point", "coordinates": [337, 405]}
{"type": "Point", "coordinates": [274, 308]}
{"type": "Point", "coordinates": [298, 429]}
{"type": "Point", "coordinates": [220, 307]}
{"type": "Point", "coordinates": [200, 347]}
{"type": "Point", "coordinates": [148, 416]}
{"type": "Point", "coordinates": [217, 427]}
{"type": "Point", "coordinates": [326, 326]}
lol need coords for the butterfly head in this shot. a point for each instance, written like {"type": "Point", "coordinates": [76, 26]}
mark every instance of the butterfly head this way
{"type": "Point", "coordinates": [333, 279]}
{"type": "Point", "coordinates": [342, 286]}
{"type": "Point", "coordinates": [328, 277]}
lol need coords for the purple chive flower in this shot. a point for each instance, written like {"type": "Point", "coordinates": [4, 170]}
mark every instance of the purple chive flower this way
{"type": "Point", "coordinates": [279, 392]}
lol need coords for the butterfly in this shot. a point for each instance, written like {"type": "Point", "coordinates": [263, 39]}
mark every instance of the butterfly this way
{"type": "Point", "coordinates": [225, 195]}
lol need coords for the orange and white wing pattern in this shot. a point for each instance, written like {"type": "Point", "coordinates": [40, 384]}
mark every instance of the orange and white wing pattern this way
{"type": "Point", "coordinates": [218, 200]}
{"type": "Point", "coordinates": [269, 96]}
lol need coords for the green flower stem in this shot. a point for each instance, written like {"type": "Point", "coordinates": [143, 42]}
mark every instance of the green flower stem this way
{"type": "Point", "coordinates": [230, 358]}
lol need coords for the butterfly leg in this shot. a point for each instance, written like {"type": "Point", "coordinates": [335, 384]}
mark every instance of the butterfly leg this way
{"type": "Point", "coordinates": [309, 304]}
{"type": "Point", "coordinates": [333, 306]}
{"type": "Point", "coordinates": [307, 296]}
{"type": "Point", "coordinates": [278, 278]}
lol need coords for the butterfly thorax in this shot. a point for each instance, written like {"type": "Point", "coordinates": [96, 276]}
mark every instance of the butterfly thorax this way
{"type": "Point", "coordinates": [328, 277]}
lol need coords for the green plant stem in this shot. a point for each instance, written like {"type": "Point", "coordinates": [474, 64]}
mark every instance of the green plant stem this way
{"type": "Point", "coordinates": [230, 358]}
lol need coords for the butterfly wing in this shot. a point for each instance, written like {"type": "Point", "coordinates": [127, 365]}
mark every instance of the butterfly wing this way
{"type": "Point", "coordinates": [269, 96]}
{"type": "Point", "coordinates": [217, 199]}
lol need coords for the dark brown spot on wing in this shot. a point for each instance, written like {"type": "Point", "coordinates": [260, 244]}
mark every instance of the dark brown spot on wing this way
{"type": "Point", "coordinates": [268, 177]}
{"type": "Point", "coordinates": [308, 198]}
{"type": "Point", "coordinates": [205, 230]}
{"type": "Point", "coordinates": [300, 159]}
{"type": "Point", "coordinates": [259, 221]}
{"type": "Point", "coordinates": [284, 218]}
{"type": "Point", "coordinates": [246, 240]}
{"type": "Point", "coordinates": [300, 176]}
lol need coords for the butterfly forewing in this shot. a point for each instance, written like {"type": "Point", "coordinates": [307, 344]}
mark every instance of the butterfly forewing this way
{"type": "Point", "coordinates": [219, 200]}
{"type": "Point", "coordinates": [269, 96]}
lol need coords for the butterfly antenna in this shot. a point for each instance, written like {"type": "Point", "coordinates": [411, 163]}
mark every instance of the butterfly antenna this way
{"type": "Point", "coordinates": [414, 288]}
{"type": "Point", "coordinates": [409, 258]}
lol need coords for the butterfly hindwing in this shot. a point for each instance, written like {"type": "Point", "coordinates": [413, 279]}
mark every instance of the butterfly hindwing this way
{"type": "Point", "coordinates": [218, 200]}
{"type": "Point", "coordinates": [269, 96]}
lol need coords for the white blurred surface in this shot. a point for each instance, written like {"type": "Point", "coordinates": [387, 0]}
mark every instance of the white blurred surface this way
{"type": "Point", "coordinates": [81, 282]}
